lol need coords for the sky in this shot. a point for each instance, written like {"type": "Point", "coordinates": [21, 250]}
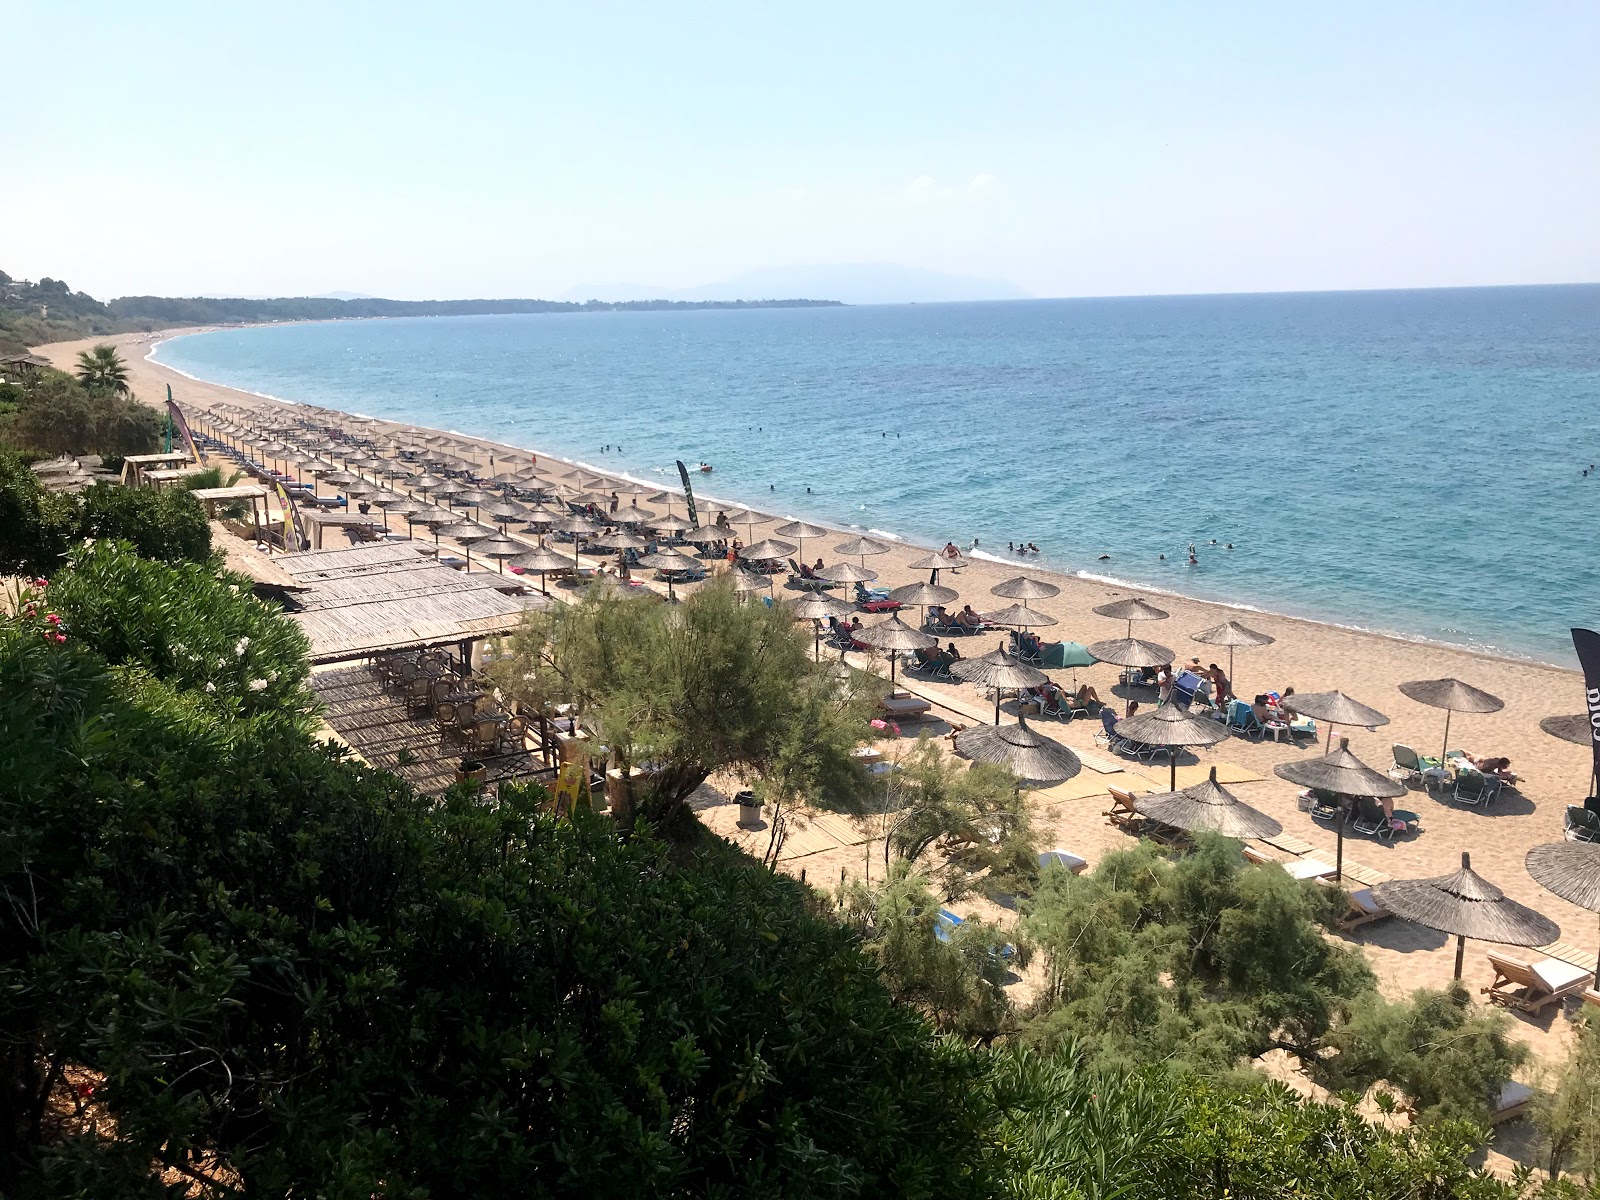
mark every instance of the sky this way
{"type": "Point", "coordinates": [526, 149]}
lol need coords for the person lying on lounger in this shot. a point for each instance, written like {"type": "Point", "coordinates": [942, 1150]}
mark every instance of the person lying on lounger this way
{"type": "Point", "coordinates": [969, 620]}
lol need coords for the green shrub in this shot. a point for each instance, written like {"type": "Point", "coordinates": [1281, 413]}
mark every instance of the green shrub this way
{"type": "Point", "coordinates": [168, 525]}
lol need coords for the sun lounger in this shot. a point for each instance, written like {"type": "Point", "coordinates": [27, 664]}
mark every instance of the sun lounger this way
{"type": "Point", "coordinates": [1411, 767]}
{"type": "Point", "coordinates": [1473, 786]}
{"type": "Point", "coordinates": [1060, 858]}
{"type": "Point", "coordinates": [1581, 824]}
{"type": "Point", "coordinates": [1122, 813]}
{"type": "Point", "coordinates": [1242, 719]}
{"type": "Point", "coordinates": [904, 708]}
{"type": "Point", "coordinates": [1512, 1103]}
{"type": "Point", "coordinates": [1363, 909]}
{"type": "Point", "coordinates": [1533, 986]}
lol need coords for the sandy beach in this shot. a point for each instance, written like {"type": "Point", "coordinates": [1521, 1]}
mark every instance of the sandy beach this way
{"type": "Point", "coordinates": [1306, 655]}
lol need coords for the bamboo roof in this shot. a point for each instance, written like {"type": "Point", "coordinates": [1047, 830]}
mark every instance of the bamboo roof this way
{"type": "Point", "coordinates": [366, 599]}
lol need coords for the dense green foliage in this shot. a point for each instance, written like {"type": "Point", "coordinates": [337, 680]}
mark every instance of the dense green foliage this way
{"type": "Point", "coordinates": [50, 311]}
{"type": "Point", "coordinates": [57, 414]}
{"type": "Point", "coordinates": [712, 684]}
{"type": "Point", "coordinates": [1569, 1117]}
{"type": "Point", "coordinates": [288, 962]}
{"type": "Point", "coordinates": [39, 529]}
{"type": "Point", "coordinates": [958, 980]}
{"type": "Point", "coordinates": [102, 369]}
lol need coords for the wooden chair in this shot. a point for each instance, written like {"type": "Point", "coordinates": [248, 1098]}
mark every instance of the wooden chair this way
{"type": "Point", "coordinates": [483, 735]}
{"type": "Point", "coordinates": [419, 695]}
{"type": "Point", "coordinates": [1122, 814]}
{"type": "Point", "coordinates": [1533, 986]}
{"type": "Point", "coordinates": [514, 736]}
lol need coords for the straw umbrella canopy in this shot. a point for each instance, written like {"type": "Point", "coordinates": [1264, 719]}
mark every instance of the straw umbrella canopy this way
{"type": "Point", "coordinates": [503, 512]}
{"type": "Point", "coordinates": [1021, 748]}
{"type": "Point", "coordinates": [999, 670]}
{"type": "Point", "coordinates": [800, 531]}
{"type": "Point", "coordinates": [1208, 807]}
{"type": "Point", "coordinates": [670, 525]}
{"type": "Point", "coordinates": [766, 550]}
{"type": "Point", "coordinates": [744, 517]}
{"type": "Point", "coordinates": [1336, 709]}
{"type": "Point", "coordinates": [500, 548]}
{"type": "Point", "coordinates": [1571, 870]}
{"type": "Point", "coordinates": [435, 518]}
{"type": "Point", "coordinates": [1023, 588]}
{"type": "Point", "coordinates": [1172, 727]}
{"type": "Point", "coordinates": [817, 608]}
{"type": "Point", "coordinates": [747, 582]}
{"type": "Point", "coordinates": [1467, 905]}
{"type": "Point", "coordinates": [467, 533]}
{"type": "Point", "coordinates": [541, 561]}
{"type": "Point", "coordinates": [1576, 729]}
{"type": "Point", "coordinates": [1020, 615]}
{"type": "Point", "coordinates": [1130, 652]}
{"type": "Point", "coordinates": [861, 547]}
{"type": "Point", "coordinates": [922, 595]}
{"type": "Point", "coordinates": [1232, 634]}
{"type": "Point", "coordinates": [847, 572]}
{"type": "Point", "coordinates": [668, 561]}
{"type": "Point", "coordinates": [632, 514]}
{"type": "Point", "coordinates": [1342, 773]}
{"type": "Point", "coordinates": [619, 540]}
{"type": "Point", "coordinates": [894, 636]}
{"type": "Point", "coordinates": [1130, 610]}
{"type": "Point", "coordinates": [579, 526]}
{"type": "Point", "coordinates": [934, 563]}
{"type": "Point", "coordinates": [1453, 696]}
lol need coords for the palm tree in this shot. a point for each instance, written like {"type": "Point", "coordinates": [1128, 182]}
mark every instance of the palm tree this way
{"type": "Point", "coordinates": [102, 370]}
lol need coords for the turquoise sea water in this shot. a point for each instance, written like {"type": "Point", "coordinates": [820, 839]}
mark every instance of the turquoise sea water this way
{"type": "Point", "coordinates": [1402, 461]}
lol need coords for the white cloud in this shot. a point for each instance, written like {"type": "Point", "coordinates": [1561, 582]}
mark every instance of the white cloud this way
{"type": "Point", "coordinates": [981, 182]}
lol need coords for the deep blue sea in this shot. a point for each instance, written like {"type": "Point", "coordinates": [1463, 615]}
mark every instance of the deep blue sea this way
{"type": "Point", "coordinates": [1401, 461]}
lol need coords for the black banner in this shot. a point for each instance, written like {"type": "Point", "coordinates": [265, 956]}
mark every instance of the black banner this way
{"type": "Point", "coordinates": [1587, 644]}
{"type": "Point", "coordinates": [688, 492]}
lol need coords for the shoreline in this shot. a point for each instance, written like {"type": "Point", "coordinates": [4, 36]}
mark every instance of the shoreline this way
{"type": "Point", "coordinates": [1055, 573]}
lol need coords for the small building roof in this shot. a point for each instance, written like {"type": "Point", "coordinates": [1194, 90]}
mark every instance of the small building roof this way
{"type": "Point", "coordinates": [364, 600]}
{"type": "Point", "coordinates": [146, 459]}
{"type": "Point", "coordinates": [239, 491]}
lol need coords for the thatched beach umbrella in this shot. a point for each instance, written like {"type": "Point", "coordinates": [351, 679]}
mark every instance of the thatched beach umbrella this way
{"type": "Point", "coordinates": [1023, 588]}
{"type": "Point", "coordinates": [621, 541]}
{"type": "Point", "coordinates": [1344, 774]}
{"type": "Point", "coordinates": [861, 547]}
{"type": "Point", "coordinates": [500, 548]}
{"type": "Point", "coordinates": [1576, 729]}
{"type": "Point", "coordinates": [702, 535]}
{"type": "Point", "coordinates": [1335, 708]}
{"type": "Point", "coordinates": [1467, 905]}
{"type": "Point", "coordinates": [670, 525]}
{"type": "Point", "coordinates": [847, 572]}
{"type": "Point", "coordinates": [1001, 671]}
{"type": "Point", "coordinates": [936, 563]}
{"type": "Point", "coordinates": [767, 550]}
{"type": "Point", "coordinates": [1130, 610]}
{"type": "Point", "coordinates": [1027, 753]}
{"type": "Point", "coordinates": [1208, 807]}
{"type": "Point", "coordinates": [1453, 696]}
{"type": "Point", "coordinates": [1571, 870]}
{"type": "Point", "coordinates": [814, 608]}
{"type": "Point", "coordinates": [800, 531]}
{"type": "Point", "coordinates": [1172, 727]}
{"type": "Point", "coordinates": [669, 562]}
{"type": "Point", "coordinates": [750, 582]}
{"type": "Point", "coordinates": [1019, 615]}
{"type": "Point", "coordinates": [579, 526]}
{"type": "Point", "coordinates": [894, 636]}
{"type": "Point", "coordinates": [541, 561]}
{"type": "Point", "coordinates": [467, 533]}
{"type": "Point", "coordinates": [1232, 634]}
{"type": "Point", "coordinates": [1130, 652]}
{"type": "Point", "coordinates": [922, 595]}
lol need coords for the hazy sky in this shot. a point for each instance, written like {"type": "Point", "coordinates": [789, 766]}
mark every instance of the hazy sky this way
{"type": "Point", "coordinates": [519, 149]}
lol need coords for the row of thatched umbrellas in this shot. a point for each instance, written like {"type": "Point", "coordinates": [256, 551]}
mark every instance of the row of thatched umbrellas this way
{"type": "Point", "coordinates": [1462, 903]}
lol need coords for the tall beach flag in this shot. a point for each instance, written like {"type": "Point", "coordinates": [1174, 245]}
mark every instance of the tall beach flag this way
{"type": "Point", "coordinates": [688, 492]}
{"type": "Point", "coordinates": [1587, 644]}
{"type": "Point", "coordinates": [175, 419]}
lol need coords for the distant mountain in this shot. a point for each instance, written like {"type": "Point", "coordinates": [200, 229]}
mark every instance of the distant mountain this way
{"type": "Point", "coordinates": [853, 283]}
{"type": "Point", "coordinates": [345, 296]}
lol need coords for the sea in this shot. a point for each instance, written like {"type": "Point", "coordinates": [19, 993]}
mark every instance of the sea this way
{"type": "Point", "coordinates": [1409, 462]}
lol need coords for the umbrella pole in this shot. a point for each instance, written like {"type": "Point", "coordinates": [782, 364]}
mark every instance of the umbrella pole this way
{"type": "Point", "coordinates": [1338, 853]}
{"type": "Point", "coordinates": [1445, 749]}
{"type": "Point", "coordinates": [1172, 761]}
{"type": "Point", "coordinates": [1461, 952]}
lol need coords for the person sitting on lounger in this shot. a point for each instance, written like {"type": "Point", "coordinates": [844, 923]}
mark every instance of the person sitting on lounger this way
{"type": "Point", "coordinates": [1261, 710]}
{"type": "Point", "coordinates": [1028, 644]}
{"type": "Point", "coordinates": [806, 572]}
{"type": "Point", "coordinates": [1498, 768]}
{"type": "Point", "coordinates": [968, 620]}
